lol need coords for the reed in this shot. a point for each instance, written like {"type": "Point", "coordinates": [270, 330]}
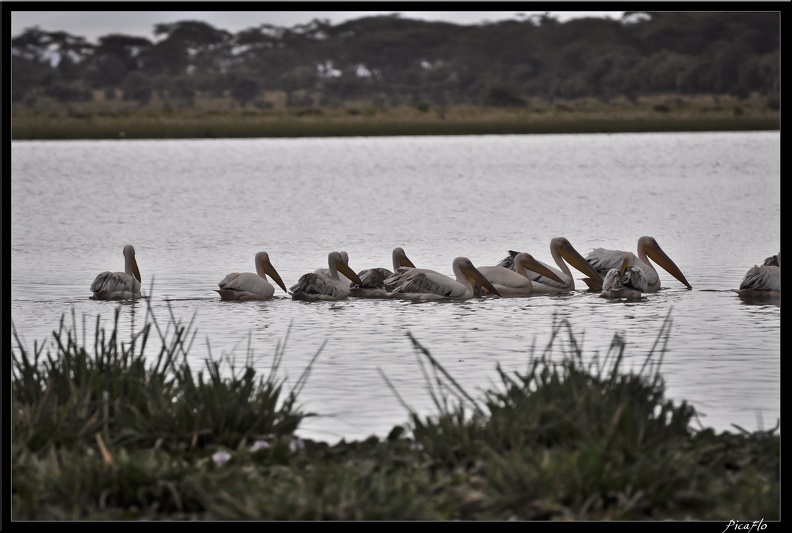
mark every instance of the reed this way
{"type": "Point", "coordinates": [101, 432]}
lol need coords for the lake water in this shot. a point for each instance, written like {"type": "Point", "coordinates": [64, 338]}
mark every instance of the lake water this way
{"type": "Point", "coordinates": [198, 209]}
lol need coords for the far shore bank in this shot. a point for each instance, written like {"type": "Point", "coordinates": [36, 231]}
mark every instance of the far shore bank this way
{"type": "Point", "coordinates": [208, 122]}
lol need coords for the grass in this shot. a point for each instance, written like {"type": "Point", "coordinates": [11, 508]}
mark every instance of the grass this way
{"type": "Point", "coordinates": [221, 118]}
{"type": "Point", "coordinates": [101, 433]}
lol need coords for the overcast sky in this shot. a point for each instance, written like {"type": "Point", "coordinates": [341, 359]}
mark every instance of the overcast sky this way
{"type": "Point", "coordinates": [93, 24]}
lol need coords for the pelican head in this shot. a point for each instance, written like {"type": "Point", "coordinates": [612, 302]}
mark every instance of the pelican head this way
{"type": "Point", "coordinates": [130, 262]}
{"type": "Point", "coordinates": [573, 257]}
{"type": "Point", "coordinates": [400, 259]}
{"type": "Point", "coordinates": [264, 268]}
{"type": "Point", "coordinates": [336, 259]}
{"type": "Point", "coordinates": [527, 261]}
{"type": "Point", "coordinates": [473, 275]}
{"type": "Point", "coordinates": [655, 253]}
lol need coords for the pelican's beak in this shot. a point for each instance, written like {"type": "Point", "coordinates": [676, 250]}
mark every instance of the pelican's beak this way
{"type": "Point", "coordinates": [473, 275]}
{"type": "Point", "coordinates": [271, 272]}
{"type": "Point", "coordinates": [136, 270]}
{"type": "Point", "coordinates": [625, 264]}
{"type": "Point", "coordinates": [532, 264]}
{"type": "Point", "coordinates": [348, 272]}
{"type": "Point", "coordinates": [405, 262]}
{"type": "Point", "coordinates": [574, 258]}
{"type": "Point", "coordinates": [656, 254]}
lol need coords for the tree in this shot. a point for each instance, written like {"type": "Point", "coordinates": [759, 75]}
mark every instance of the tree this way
{"type": "Point", "coordinates": [137, 86]}
{"type": "Point", "coordinates": [244, 90]}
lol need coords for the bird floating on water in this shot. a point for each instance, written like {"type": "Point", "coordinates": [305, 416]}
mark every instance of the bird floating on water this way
{"type": "Point", "coordinates": [561, 249]}
{"type": "Point", "coordinates": [604, 260]}
{"type": "Point", "coordinates": [251, 286]}
{"type": "Point", "coordinates": [425, 284]}
{"type": "Point", "coordinates": [317, 285]}
{"type": "Point", "coordinates": [119, 285]}
{"type": "Point", "coordinates": [762, 281]}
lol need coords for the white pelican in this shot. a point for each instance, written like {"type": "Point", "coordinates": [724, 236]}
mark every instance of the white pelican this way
{"type": "Point", "coordinates": [628, 281]}
{"type": "Point", "coordinates": [561, 249]}
{"type": "Point", "coordinates": [425, 284]}
{"type": "Point", "coordinates": [771, 261]}
{"type": "Point", "coordinates": [250, 286]}
{"type": "Point", "coordinates": [517, 282]}
{"type": "Point", "coordinates": [320, 286]}
{"type": "Point", "coordinates": [372, 279]}
{"type": "Point", "coordinates": [344, 279]}
{"type": "Point", "coordinates": [762, 281]}
{"type": "Point", "coordinates": [603, 260]}
{"type": "Point", "coordinates": [119, 285]}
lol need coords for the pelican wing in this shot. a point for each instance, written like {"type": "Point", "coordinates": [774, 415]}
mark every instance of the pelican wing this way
{"type": "Point", "coordinates": [634, 277]}
{"type": "Point", "coordinates": [612, 281]}
{"type": "Point", "coordinates": [115, 286]}
{"type": "Point", "coordinates": [244, 286]}
{"type": "Point", "coordinates": [771, 261]}
{"type": "Point", "coordinates": [374, 278]}
{"type": "Point", "coordinates": [425, 282]}
{"type": "Point", "coordinates": [313, 286]}
{"type": "Point", "coordinates": [508, 261]}
{"type": "Point", "coordinates": [603, 260]}
{"type": "Point", "coordinates": [762, 278]}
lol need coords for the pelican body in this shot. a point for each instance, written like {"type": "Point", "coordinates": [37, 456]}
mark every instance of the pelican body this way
{"type": "Point", "coordinates": [762, 281]}
{"type": "Point", "coordinates": [561, 250]}
{"type": "Point", "coordinates": [372, 280]}
{"type": "Point", "coordinates": [604, 260]}
{"type": "Point", "coordinates": [119, 285]}
{"type": "Point", "coordinates": [249, 286]}
{"type": "Point", "coordinates": [318, 285]}
{"type": "Point", "coordinates": [517, 282]}
{"type": "Point", "coordinates": [425, 284]}
{"type": "Point", "coordinates": [628, 281]}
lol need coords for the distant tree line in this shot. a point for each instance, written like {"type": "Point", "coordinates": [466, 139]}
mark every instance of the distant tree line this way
{"type": "Point", "coordinates": [390, 61]}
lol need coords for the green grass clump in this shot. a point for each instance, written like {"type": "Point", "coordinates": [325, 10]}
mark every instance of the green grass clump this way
{"type": "Point", "coordinates": [101, 433]}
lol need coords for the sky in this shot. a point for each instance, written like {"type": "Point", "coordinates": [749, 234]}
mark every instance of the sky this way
{"type": "Point", "coordinates": [93, 24]}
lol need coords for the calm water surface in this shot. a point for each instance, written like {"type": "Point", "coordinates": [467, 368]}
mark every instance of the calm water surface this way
{"type": "Point", "coordinates": [198, 209]}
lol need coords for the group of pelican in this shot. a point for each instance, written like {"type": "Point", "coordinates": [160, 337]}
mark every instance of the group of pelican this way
{"type": "Point", "coordinates": [611, 273]}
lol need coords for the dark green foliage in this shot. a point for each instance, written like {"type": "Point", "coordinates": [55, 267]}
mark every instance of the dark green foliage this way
{"type": "Point", "coordinates": [734, 53]}
{"type": "Point", "coordinates": [102, 433]}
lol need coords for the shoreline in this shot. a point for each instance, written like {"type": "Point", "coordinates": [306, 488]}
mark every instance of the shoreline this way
{"type": "Point", "coordinates": [206, 123]}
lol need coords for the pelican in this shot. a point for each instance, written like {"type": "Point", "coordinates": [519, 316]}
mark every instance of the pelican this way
{"type": "Point", "coordinates": [372, 280]}
{"type": "Point", "coordinates": [762, 281]}
{"type": "Point", "coordinates": [604, 260]}
{"type": "Point", "coordinates": [561, 249]}
{"type": "Point", "coordinates": [344, 279]}
{"type": "Point", "coordinates": [250, 286]}
{"type": "Point", "coordinates": [771, 261]}
{"type": "Point", "coordinates": [320, 286]}
{"type": "Point", "coordinates": [119, 285]}
{"type": "Point", "coordinates": [517, 282]}
{"type": "Point", "coordinates": [628, 281]}
{"type": "Point", "coordinates": [425, 284]}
